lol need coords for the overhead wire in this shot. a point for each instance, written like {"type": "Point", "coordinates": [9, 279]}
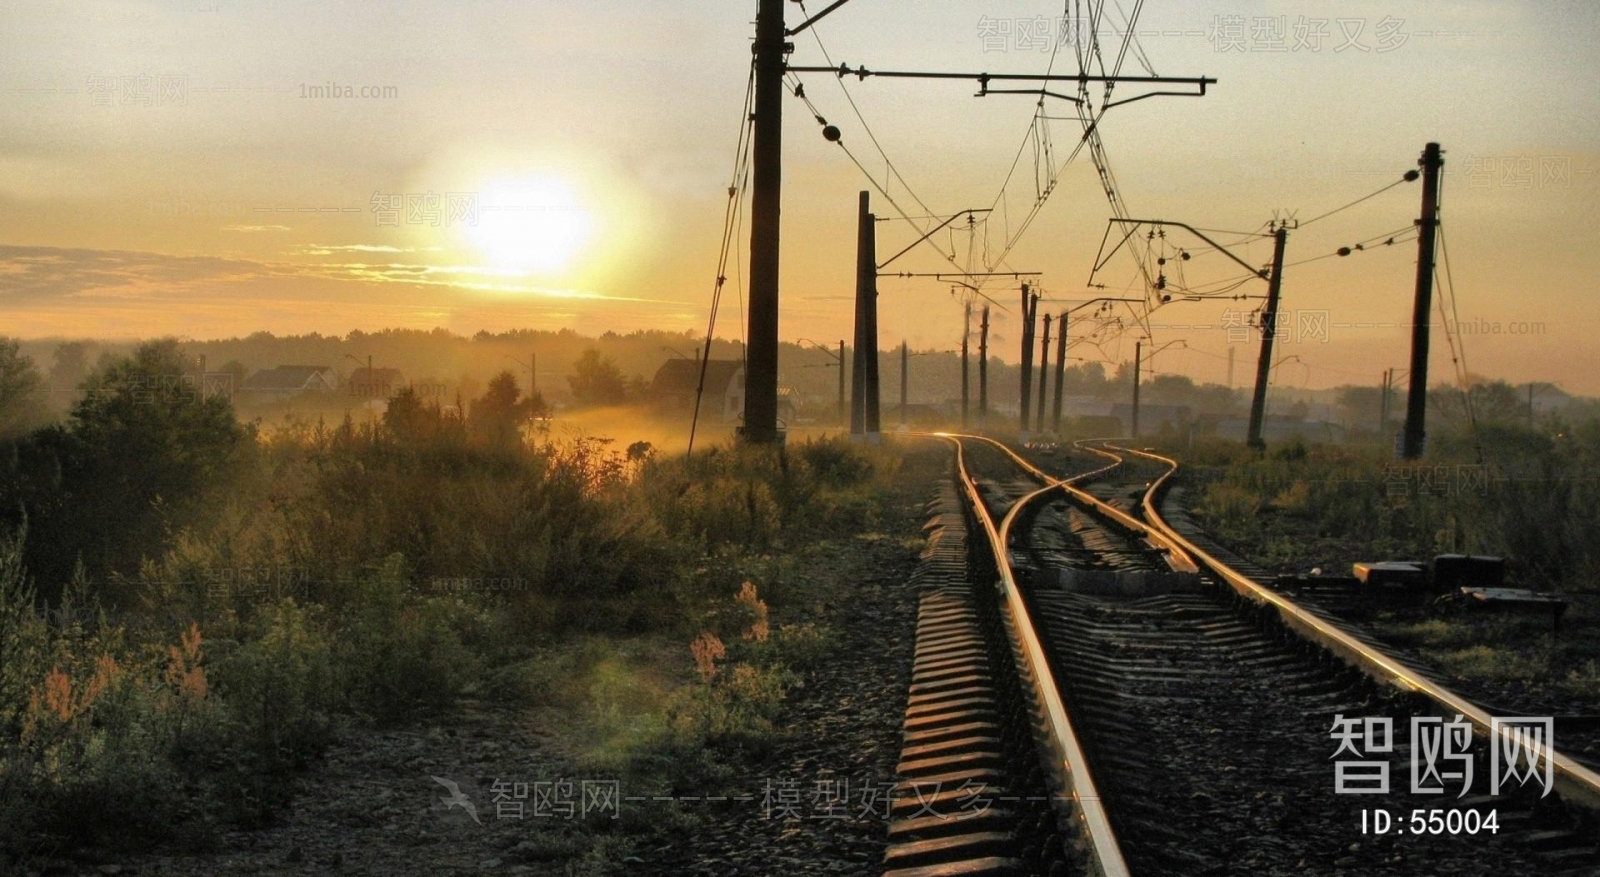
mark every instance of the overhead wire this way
{"type": "Point", "coordinates": [731, 224]}
{"type": "Point", "coordinates": [1406, 178]}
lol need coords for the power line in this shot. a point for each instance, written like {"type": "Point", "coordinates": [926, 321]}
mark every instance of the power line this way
{"type": "Point", "coordinates": [731, 222]}
{"type": "Point", "coordinates": [1407, 177]}
{"type": "Point", "coordinates": [817, 36]}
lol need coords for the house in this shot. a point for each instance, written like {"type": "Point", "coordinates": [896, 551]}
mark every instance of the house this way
{"type": "Point", "coordinates": [678, 380]}
{"type": "Point", "coordinates": [290, 380]}
{"type": "Point", "coordinates": [1152, 417]}
{"type": "Point", "coordinates": [375, 383]}
{"type": "Point", "coordinates": [1277, 429]}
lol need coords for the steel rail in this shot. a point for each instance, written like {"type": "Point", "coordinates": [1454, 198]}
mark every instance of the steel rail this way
{"type": "Point", "coordinates": [1070, 763]}
{"type": "Point", "coordinates": [1572, 779]}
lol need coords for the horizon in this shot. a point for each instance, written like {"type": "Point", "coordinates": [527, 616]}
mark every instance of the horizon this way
{"type": "Point", "coordinates": [168, 175]}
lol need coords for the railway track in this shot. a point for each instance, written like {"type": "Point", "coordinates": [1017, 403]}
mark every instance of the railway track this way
{"type": "Point", "coordinates": [1157, 711]}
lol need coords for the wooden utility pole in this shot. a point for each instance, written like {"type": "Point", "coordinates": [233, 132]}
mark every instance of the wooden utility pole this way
{"type": "Point", "coordinates": [1269, 322]}
{"type": "Point", "coordinates": [1061, 371]}
{"type": "Point", "coordinates": [841, 384]}
{"type": "Point", "coordinates": [983, 370]}
{"type": "Point", "coordinates": [761, 357]}
{"type": "Point", "coordinates": [1138, 354]}
{"type": "Point", "coordinates": [966, 333]}
{"type": "Point", "coordinates": [1028, 300]}
{"type": "Point", "coordinates": [1044, 373]}
{"type": "Point", "coordinates": [771, 48]}
{"type": "Point", "coordinates": [864, 271]}
{"type": "Point", "coordinates": [1383, 403]}
{"type": "Point", "coordinates": [869, 273]}
{"type": "Point", "coordinates": [905, 358]}
{"type": "Point", "coordinates": [1432, 163]}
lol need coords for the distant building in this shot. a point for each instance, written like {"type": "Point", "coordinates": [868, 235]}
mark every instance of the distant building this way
{"type": "Point", "coordinates": [1082, 406]}
{"type": "Point", "coordinates": [375, 383]}
{"type": "Point", "coordinates": [1152, 417]}
{"type": "Point", "coordinates": [677, 383]}
{"type": "Point", "coordinates": [1281, 429]}
{"type": "Point", "coordinates": [290, 380]}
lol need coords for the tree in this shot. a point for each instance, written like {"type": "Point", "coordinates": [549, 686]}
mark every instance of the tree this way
{"type": "Point", "coordinates": [22, 404]}
{"type": "Point", "coordinates": [498, 416]}
{"type": "Point", "coordinates": [131, 469]}
{"type": "Point", "coordinates": [71, 366]}
{"type": "Point", "coordinates": [596, 380]}
{"type": "Point", "coordinates": [407, 420]}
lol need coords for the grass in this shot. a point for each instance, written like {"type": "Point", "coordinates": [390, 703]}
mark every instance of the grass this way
{"type": "Point", "coordinates": [165, 705]}
{"type": "Point", "coordinates": [1307, 506]}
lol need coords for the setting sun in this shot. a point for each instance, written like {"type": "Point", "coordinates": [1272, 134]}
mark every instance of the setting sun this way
{"type": "Point", "coordinates": [534, 224]}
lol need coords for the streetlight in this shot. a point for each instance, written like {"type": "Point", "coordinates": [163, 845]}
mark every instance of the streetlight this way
{"type": "Point", "coordinates": [372, 426]}
{"type": "Point", "coordinates": [1303, 364]}
{"type": "Point", "coordinates": [1548, 385]}
{"type": "Point", "coordinates": [905, 357]}
{"type": "Point", "coordinates": [369, 371]}
{"type": "Point", "coordinates": [1138, 360]}
{"type": "Point", "coordinates": [1290, 358]}
{"type": "Point", "coordinates": [837, 363]}
{"type": "Point", "coordinates": [1062, 343]}
{"type": "Point", "coordinates": [530, 365]}
{"type": "Point", "coordinates": [1151, 356]}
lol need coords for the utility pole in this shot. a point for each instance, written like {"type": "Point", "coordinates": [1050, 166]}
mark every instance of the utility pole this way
{"type": "Point", "coordinates": [870, 272]}
{"type": "Point", "coordinates": [905, 358]}
{"type": "Point", "coordinates": [1230, 367]}
{"type": "Point", "coordinates": [1432, 163]}
{"type": "Point", "coordinates": [966, 333]}
{"type": "Point", "coordinates": [761, 358]}
{"type": "Point", "coordinates": [983, 370]}
{"type": "Point", "coordinates": [1138, 354]}
{"type": "Point", "coordinates": [770, 49]}
{"type": "Point", "coordinates": [1061, 370]}
{"type": "Point", "coordinates": [1269, 322]}
{"type": "Point", "coordinates": [1028, 304]}
{"type": "Point", "coordinates": [864, 270]}
{"type": "Point", "coordinates": [841, 384]}
{"type": "Point", "coordinates": [1383, 403]}
{"type": "Point", "coordinates": [1044, 373]}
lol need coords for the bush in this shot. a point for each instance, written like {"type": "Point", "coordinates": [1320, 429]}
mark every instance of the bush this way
{"type": "Point", "coordinates": [404, 657]}
{"type": "Point", "coordinates": [96, 737]}
{"type": "Point", "coordinates": [280, 689]}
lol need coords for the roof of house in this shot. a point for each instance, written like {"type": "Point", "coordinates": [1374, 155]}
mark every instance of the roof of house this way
{"type": "Point", "coordinates": [682, 376]}
{"type": "Point", "coordinates": [285, 377]}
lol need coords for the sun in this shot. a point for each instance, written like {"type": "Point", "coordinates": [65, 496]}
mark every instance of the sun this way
{"type": "Point", "coordinates": [530, 225]}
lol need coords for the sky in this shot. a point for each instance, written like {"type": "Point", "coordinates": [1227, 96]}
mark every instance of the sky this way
{"type": "Point", "coordinates": [211, 168]}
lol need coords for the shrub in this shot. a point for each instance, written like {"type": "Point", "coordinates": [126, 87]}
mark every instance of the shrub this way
{"type": "Point", "coordinates": [403, 657]}
{"type": "Point", "coordinates": [280, 689]}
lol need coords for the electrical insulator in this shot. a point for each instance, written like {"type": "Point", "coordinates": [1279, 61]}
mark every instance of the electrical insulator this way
{"type": "Point", "coordinates": [830, 133]}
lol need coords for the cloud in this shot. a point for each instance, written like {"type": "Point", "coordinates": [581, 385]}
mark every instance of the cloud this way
{"type": "Point", "coordinates": [330, 249]}
{"type": "Point", "coordinates": [255, 228]}
{"type": "Point", "coordinates": [34, 278]}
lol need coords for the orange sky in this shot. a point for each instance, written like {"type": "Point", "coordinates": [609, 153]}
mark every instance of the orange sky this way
{"type": "Point", "coordinates": [166, 169]}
